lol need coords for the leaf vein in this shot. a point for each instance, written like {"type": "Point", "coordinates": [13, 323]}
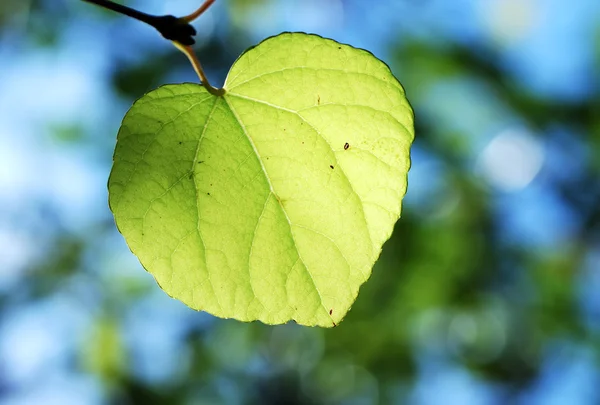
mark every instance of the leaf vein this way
{"type": "Point", "coordinates": [330, 147]}
{"type": "Point", "coordinates": [243, 127]}
{"type": "Point", "coordinates": [252, 246]}
{"type": "Point", "coordinates": [194, 163]}
{"type": "Point", "coordinates": [320, 69]}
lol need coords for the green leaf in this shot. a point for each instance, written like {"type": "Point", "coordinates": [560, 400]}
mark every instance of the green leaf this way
{"type": "Point", "coordinates": [270, 202]}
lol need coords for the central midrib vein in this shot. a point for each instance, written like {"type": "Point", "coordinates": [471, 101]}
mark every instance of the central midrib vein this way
{"type": "Point", "coordinates": [264, 169]}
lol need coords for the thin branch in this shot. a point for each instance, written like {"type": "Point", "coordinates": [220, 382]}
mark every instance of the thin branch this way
{"type": "Point", "coordinates": [170, 27]}
{"type": "Point", "coordinates": [177, 30]}
{"type": "Point", "coordinates": [119, 8]}
{"type": "Point", "coordinates": [198, 13]}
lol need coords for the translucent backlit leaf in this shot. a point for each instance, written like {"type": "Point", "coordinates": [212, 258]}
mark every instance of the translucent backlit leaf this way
{"type": "Point", "coordinates": [272, 201]}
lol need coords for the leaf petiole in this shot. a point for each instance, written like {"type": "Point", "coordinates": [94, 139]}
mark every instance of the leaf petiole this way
{"type": "Point", "coordinates": [191, 55]}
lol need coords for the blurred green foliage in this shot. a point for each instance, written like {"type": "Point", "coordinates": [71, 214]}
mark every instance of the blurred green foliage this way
{"type": "Point", "coordinates": [451, 288]}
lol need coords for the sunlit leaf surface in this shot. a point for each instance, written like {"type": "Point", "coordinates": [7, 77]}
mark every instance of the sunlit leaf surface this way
{"type": "Point", "coordinates": [272, 201]}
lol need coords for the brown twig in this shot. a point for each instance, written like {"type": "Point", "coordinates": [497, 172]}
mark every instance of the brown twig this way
{"type": "Point", "coordinates": [198, 13]}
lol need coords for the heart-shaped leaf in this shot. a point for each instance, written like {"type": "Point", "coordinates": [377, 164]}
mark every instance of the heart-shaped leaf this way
{"type": "Point", "coordinates": [272, 201]}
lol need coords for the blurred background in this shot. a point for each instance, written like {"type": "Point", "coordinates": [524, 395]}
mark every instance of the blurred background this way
{"type": "Point", "coordinates": [487, 293]}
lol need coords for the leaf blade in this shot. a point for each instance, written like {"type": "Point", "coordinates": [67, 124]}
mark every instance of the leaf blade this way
{"type": "Point", "coordinates": [293, 196]}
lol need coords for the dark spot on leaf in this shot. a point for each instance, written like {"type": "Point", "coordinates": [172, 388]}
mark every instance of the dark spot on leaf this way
{"type": "Point", "coordinates": [200, 161]}
{"type": "Point", "coordinates": [346, 146]}
{"type": "Point", "coordinates": [339, 47]}
{"type": "Point", "coordinates": [334, 324]}
{"type": "Point", "coordinates": [191, 176]}
{"type": "Point", "coordinates": [180, 142]}
{"type": "Point", "coordinates": [318, 99]}
{"type": "Point", "coordinates": [330, 311]}
{"type": "Point", "coordinates": [302, 143]}
{"type": "Point", "coordinates": [207, 193]}
{"type": "Point", "coordinates": [331, 166]}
